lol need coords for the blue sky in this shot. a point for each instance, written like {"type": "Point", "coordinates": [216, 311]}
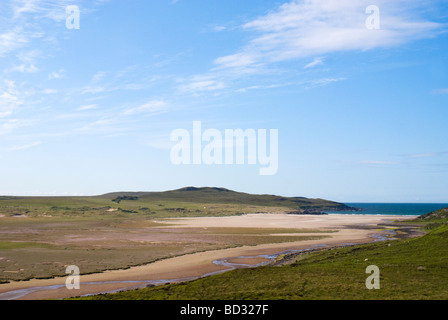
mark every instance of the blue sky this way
{"type": "Point", "coordinates": [362, 114]}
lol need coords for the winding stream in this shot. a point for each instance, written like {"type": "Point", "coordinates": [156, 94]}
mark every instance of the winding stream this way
{"type": "Point", "coordinates": [225, 262]}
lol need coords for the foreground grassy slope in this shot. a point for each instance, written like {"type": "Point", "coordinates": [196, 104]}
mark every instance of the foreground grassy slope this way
{"type": "Point", "coordinates": [410, 269]}
{"type": "Point", "coordinates": [186, 202]}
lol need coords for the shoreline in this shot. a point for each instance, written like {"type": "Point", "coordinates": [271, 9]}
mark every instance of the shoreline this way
{"type": "Point", "coordinates": [201, 264]}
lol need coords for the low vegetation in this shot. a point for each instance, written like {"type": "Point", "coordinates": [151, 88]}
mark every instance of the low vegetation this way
{"type": "Point", "coordinates": [410, 269]}
{"type": "Point", "coordinates": [40, 236]}
{"type": "Point", "coordinates": [35, 248]}
{"type": "Point", "coordinates": [186, 202]}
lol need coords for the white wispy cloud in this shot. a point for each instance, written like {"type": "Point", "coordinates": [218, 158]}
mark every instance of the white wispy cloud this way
{"type": "Point", "coordinates": [22, 22]}
{"type": "Point", "coordinates": [92, 90]}
{"type": "Point", "coordinates": [98, 76]}
{"type": "Point", "coordinates": [27, 62]}
{"type": "Point", "coordinates": [48, 91]}
{"type": "Point", "coordinates": [104, 125]}
{"type": "Point", "coordinates": [204, 83]}
{"type": "Point", "coordinates": [87, 107]}
{"type": "Point", "coordinates": [426, 155]}
{"type": "Point", "coordinates": [219, 28]}
{"type": "Point", "coordinates": [26, 146]}
{"type": "Point", "coordinates": [9, 125]}
{"type": "Point", "coordinates": [50, 9]}
{"type": "Point", "coordinates": [262, 87]}
{"type": "Point", "coordinates": [377, 162]}
{"type": "Point", "coordinates": [314, 63]}
{"type": "Point", "coordinates": [306, 28]}
{"type": "Point", "coordinates": [10, 98]}
{"type": "Point", "coordinates": [25, 29]}
{"type": "Point", "coordinates": [440, 91]}
{"type": "Point", "coordinates": [311, 29]}
{"type": "Point", "coordinates": [56, 74]}
{"type": "Point", "coordinates": [237, 60]}
{"type": "Point", "coordinates": [11, 40]}
{"type": "Point", "coordinates": [24, 68]}
{"type": "Point", "coordinates": [152, 107]}
{"type": "Point", "coordinates": [323, 82]}
{"type": "Point", "coordinates": [423, 155]}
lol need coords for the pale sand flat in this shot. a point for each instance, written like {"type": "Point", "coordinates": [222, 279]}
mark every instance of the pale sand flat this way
{"type": "Point", "coordinates": [199, 264]}
{"type": "Point", "coordinates": [280, 221]}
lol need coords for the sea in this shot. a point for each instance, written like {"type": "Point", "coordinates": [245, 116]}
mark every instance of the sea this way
{"type": "Point", "coordinates": [401, 209]}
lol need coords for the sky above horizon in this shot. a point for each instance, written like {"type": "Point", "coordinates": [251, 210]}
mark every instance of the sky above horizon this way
{"type": "Point", "coordinates": [361, 113]}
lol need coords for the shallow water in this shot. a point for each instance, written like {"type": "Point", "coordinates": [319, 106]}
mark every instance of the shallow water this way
{"type": "Point", "coordinates": [17, 294]}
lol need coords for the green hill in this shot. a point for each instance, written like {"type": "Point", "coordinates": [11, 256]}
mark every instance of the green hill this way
{"type": "Point", "coordinates": [185, 202]}
{"type": "Point", "coordinates": [438, 215]}
{"type": "Point", "coordinates": [225, 196]}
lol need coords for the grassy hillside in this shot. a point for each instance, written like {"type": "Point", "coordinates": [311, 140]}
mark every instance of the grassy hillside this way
{"type": "Point", "coordinates": [410, 269]}
{"type": "Point", "coordinates": [436, 215]}
{"type": "Point", "coordinates": [225, 196]}
{"type": "Point", "coordinates": [177, 203]}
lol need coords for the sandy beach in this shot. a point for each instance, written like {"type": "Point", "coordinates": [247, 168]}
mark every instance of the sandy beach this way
{"type": "Point", "coordinates": [350, 229]}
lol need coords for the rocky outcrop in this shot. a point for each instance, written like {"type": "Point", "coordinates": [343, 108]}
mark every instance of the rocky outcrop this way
{"type": "Point", "coordinates": [308, 212]}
